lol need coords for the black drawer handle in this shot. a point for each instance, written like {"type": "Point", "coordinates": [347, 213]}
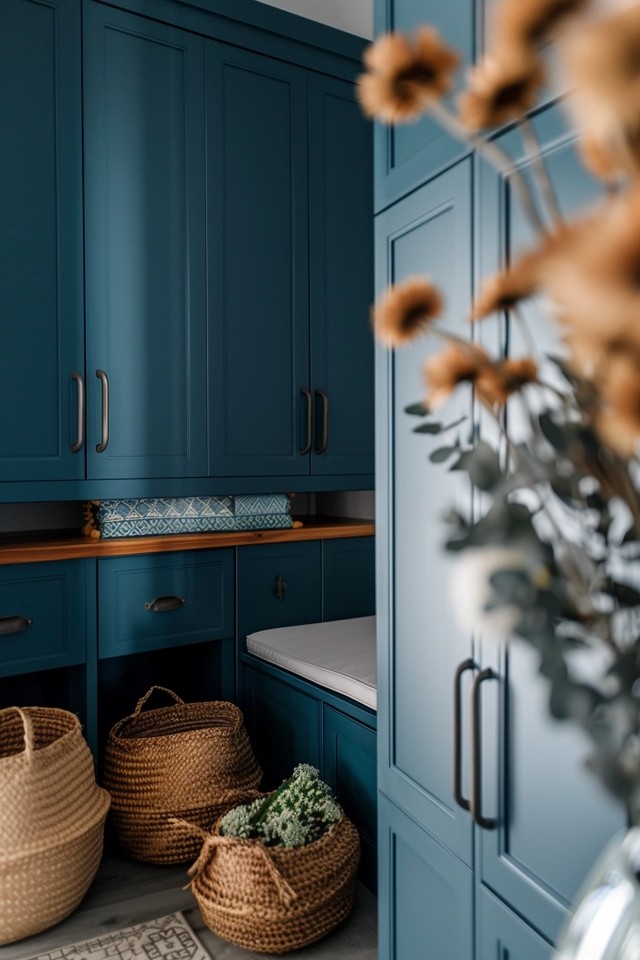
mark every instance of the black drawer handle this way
{"type": "Point", "coordinates": [161, 604]}
{"type": "Point", "coordinates": [281, 586]}
{"type": "Point", "coordinates": [14, 625]}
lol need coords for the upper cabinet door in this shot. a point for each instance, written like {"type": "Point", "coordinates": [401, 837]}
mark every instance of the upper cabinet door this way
{"type": "Point", "coordinates": [410, 153]}
{"type": "Point", "coordinates": [257, 233]}
{"type": "Point", "coordinates": [341, 279]}
{"type": "Point", "coordinates": [145, 247]}
{"type": "Point", "coordinates": [41, 286]}
{"type": "Point", "coordinates": [422, 646]}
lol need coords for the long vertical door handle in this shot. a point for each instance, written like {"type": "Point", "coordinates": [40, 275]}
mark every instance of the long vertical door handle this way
{"type": "Point", "coordinates": [77, 443]}
{"type": "Point", "coordinates": [462, 801]}
{"type": "Point", "coordinates": [307, 395]}
{"type": "Point", "coordinates": [104, 379]}
{"type": "Point", "coordinates": [476, 736]}
{"type": "Point", "coordinates": [324, 439]}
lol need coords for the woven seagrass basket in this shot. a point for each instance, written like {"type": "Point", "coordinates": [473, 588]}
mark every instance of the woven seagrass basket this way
{"type": "Point", "coordinates": [189, 761]}
{"type": "Point", "coordinates": [52, 816]}
{"type": "Point", "coordinates": [276, 899]}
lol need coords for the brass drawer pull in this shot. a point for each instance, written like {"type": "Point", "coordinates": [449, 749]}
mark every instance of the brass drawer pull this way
{"type": "Point", "coordinates": [14, 625]}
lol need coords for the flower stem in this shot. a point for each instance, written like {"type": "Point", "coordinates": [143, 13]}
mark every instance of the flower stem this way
{"type": "Point", "coordinates": [540, 172]}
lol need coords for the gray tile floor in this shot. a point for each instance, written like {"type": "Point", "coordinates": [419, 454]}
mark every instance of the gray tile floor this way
{"type": "Point", "coordinates": [125, 893]}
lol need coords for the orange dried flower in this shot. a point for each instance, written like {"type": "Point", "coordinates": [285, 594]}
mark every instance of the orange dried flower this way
{"type": "Point", "coordinates": [530, 22]}
{"type": "Point", "coordinates": [405, 310]}
{"type": "Point", "coordinates": [497, 382]}
{"type": "Point", "coordinates": [501, 88]}
{"type": "Point", "coordinates": [504, 290]}
{"type": "Point", "coordinates": [603, 63]}
{"type": "Point", "coordinates": [403, 78]}
{"type": "Point", "coordinates": [617, 379]}
{"type": "Point", "coordinates": [456, 363]}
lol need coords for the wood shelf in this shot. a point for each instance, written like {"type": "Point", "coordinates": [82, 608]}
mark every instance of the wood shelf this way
{"type": "Point", "coordinates": [66, 546]}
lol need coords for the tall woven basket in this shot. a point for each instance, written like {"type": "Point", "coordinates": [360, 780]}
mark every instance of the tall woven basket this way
{"type": "Point", "coordinates": [52, 816]}
{"type": "Point", "coordinates": [276, 899]}
{"type": "Point", "coordinates": [190, 761]}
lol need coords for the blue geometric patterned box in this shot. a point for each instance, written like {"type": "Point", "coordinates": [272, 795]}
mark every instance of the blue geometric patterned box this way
{"type": "Point", "coordinates": [155, 516]}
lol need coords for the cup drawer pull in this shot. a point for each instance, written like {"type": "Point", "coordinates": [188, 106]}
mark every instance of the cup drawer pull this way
{"type": "Point", "coordinates": [162, 604]}
{"type": "Point", "coordinates": [14, 625]}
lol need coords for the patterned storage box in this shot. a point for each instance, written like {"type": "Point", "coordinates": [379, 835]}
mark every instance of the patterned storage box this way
{"type": "Point", "coordinates": [169, 515]}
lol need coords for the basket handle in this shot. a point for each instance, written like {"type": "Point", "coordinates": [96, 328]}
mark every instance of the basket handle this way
{"type": "Point", "coordinates": [141, 702]}
{"type": "Point", "coordinates": [28, 729]}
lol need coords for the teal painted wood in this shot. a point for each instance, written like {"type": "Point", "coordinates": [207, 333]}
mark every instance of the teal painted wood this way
{"type": "Point", "coordinates": [553, 816]}
{"type": "Point", "coordinates": [420, 642]}
{"type": "Point", "coordinates": [41, 282]}
{"type": "Point", "coordinates": [341, 278]}
{"type": "Point", "coordinates": [164, 600]}
{"type": "Point", "coordinates": [502, 935]}
{"type": "Point", "coordinates": [44, 616]}
{"type": "Point", "coordinates": [349, 767]}
{"type": "Point", "coordinates": [348, 578]}
{"type": "Point", "coordinates": [145, 245]}
{"type": "Point", "coordinates": [425, 894]}
{"type": "Point", "coordinates": [283, 724]}
{"type": "Point", "coordinates": [257, 264]}
{"type": "Point", "coordinates": [279, 585]}
{"type": "Point", "coordinates": [410, 153]}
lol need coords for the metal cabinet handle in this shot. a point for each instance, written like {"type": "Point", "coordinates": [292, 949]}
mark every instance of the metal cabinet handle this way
{"type": "Point", "coordinates": [307, 395]}
{"type": "Point", "coordinates": [104, 379]}
{"type": "Point", "coordinates": [476, 768]}
{"type": "Point", "coordinates": [281, 586]}
{"type": "Point", "coordinates": [77, 443]}
{"type": "Point", "coordinates": [162, 604]}
{"type": "Point", "coordinates": [16, 624]}
{"type": "Point", "coordinates": [462, 801]}
{"type": "Point", "coordinates": [324, 442]}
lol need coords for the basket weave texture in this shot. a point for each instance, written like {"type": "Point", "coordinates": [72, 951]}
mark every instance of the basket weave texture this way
{"type": "Point", "coordinates": [188, 761]}
{"type": "Point", "coordinates": [52, 816]}
{"type": "Point", "coordinates": [276, 899]}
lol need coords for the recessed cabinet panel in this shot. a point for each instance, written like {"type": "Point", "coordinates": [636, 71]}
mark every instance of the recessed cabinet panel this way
{"type": "Point", "coordinates": [279, 585]}
{"type": "Point", "coordinates": [428, 233]}
{"type": "Point", "coordinates": [258, 271]}
{"type": "Point", "coordinates": [43, 615]}
{"type": "Point", "coordinates": [164, 600]}
{"type": "Point", "coordinates": [407, 154]}
{"type": "Point", "coordinates": [504, 936]}
{"type": "Point", "coordinates": [41, 284]}
{"type": "Point", "coordinates": [348, 574]}
{"type": "Point", "coordinates": [145, 247]}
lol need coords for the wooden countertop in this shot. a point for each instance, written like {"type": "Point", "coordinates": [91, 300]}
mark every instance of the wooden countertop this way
{"type": "Point", "coordinates": [65, 546]}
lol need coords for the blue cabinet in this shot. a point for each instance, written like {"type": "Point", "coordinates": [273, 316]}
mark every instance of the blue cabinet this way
{"type": "Point", "coordinates": [289, 277]}
{"type": "Point", "coordinates": [41, 281]}
{"type": "Point", "coordinates": [145, 247]}
{"type": "Point", "coordinates": [551, 818]}
{"type": "Point", "coordinates": [410, 153]}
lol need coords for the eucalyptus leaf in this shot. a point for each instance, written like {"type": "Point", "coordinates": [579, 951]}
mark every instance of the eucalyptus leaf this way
{"type": "Point", "coordinates": [416, 410]}
{"type": "Point", "coordinates": [442, 454]}
{"type": "Point", "coordinates": [429, 427]}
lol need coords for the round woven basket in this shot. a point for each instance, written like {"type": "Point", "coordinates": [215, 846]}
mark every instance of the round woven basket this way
{"type": "Point", "coordinates": [52, 816]}
{"type": "Point", "coordinates": [189, 761]}
{"type": "Point", "coordinates": [276, 899]}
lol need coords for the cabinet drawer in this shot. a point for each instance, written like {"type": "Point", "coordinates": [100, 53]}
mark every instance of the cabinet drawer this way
{"type": "Point", "coordinates": [279, 585]}
{"type": "Point", "coordinates": [152, 602]}
{"type": "Point", "coordinates": [43, 616]}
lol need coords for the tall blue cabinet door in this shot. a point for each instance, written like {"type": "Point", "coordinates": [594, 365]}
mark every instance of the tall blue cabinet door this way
{"type": "Point", "coordinates": [408, 154]}
{"type": "Point", "coordinates": [425, 895]}
{"type": "Point", "coordinates": [341, 278]}
{"type": "Point", "coordinates": [257, 235]}
{"type": "Point", "coordinates": [421, 645]}
{"type": "Point", "coordinates": [41, 282]}
{"type": "Point", "coordinates": [553, 816]}
{"type": "Point", "coordinates": [145, 247]}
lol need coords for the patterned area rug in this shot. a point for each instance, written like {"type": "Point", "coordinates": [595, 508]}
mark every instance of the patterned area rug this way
{"type": "Point", "coordinates": [167, 938]}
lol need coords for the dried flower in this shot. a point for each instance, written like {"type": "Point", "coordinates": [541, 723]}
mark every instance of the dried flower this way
{"type": "Point", "coordinates": [406, 309]}
{"type": "Point", "coordinates": [504, 290]}
{"type": "Point", "coordinates": [501, 88]}
{"type": "Point", "coordinates": [527, 23]}
{"type": "Point", "coordinates": [498, 381]}
{"type": "Point", "coordinates": [457, 362]}
{"type": "Point", "coordinates": [403, 77]}
{"type": "Point", "coordinates": [603, 61]}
